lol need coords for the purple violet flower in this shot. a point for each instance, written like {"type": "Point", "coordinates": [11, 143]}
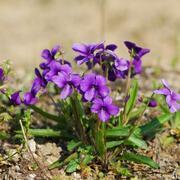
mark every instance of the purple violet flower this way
{"type": "Point", "coordinates": [94, 85]}
{"type": "Point", "coordinates": [136, 52]}
{"type": "Point", "coordinates": [172, 98]}
{"type": "Point", "coordinates": [86, 52]}
{"type": "Point", "coordinates": [50, 56]}
{"type": "Point", "coordinates": [66, 82]}
{"type": "Point", "coordinates": [15, 98]}
{"type": "Point", "coordinates": [104, 108]}
{"type": "Point", "coordinates": [38, 83]}
{"type": "Point", "coordinates": [56, 68]}
{"type": "Point", "coordinates": [29, 99]}
{"type": "Point", "coordinates": [106, 53]}
{"type": "Point", "coordinates": [122, 66]}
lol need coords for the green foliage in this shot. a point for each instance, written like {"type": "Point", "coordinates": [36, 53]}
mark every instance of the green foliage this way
{"type": "Point", "coordinates": [132, 97]}
{"type": "Point", "coordinates": [88, 140]}
{"type": "Point", "coordinates": [139, 159]}
{"type": "Point", "coordinates": [41, 133]}
{"type": "Point", "coordinates": [155, 125]}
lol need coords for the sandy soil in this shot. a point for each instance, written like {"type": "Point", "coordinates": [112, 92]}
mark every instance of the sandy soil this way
{"type": "Point", "coordinates": [26, 27]}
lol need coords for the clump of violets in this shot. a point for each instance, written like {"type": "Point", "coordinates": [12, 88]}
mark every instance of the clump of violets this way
{"type": "Point", "coordinates": [172, 98]}
{"type": "Point", "coordinates": [91, 86]}
{"type": "Point", "coordinates": [86, 103]}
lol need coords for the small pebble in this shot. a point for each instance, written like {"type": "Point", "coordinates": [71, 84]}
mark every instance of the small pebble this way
{"type": "Point", "coordinates": [32, 145]}
{"type": "Point", "coordinates": [31, 177]}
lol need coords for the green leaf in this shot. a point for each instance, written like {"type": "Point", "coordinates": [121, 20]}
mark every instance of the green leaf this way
{"type": "Point", "coordinates": [117, 132]}
{"type": "Point", "coordinates": [78, 112]}
{"type": "Point", "coordinates": [112, 144]}
{"type": "Point", "coordinates": [139, 159]}
{"type": "Point", "coordinates": [42, 133]}
{"type": "Point", "coordinates": [100, 144]}
{"type": "Point", "coordinates": [46, 114]}
{"type": "Point", "coordinates": [133, 95]}
{"type": "Point", "coordinates": [136, 113]}
{"type": "Point", "coordinates": [87, 159]}
{"type": "Point", "coordinates": [135, 140]}
{"type": "Point", "coordinates": [151, 128]}
{"type": "Point", "coordinates": [72, 166]}
{"type": "Point", "coordinates": [176, 121]}
{"type": "Point", "coordinates": [61, 162]}
{"type": "Point", "coordinates": [73, 144]}
{"type": "Point", "coordinates": [4, 135]}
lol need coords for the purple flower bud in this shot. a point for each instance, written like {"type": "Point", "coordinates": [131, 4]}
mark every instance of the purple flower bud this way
{"type": "Point", "coordinates": [29, 99]}
{"type": "Point", "coordinates": [136, 52]}
{"type": "Point", "coordinates": [15, 98]}
{"type": "Point", "coordinates": [38, 83]}
{"type": "Point", "coordinates": [152, 103]}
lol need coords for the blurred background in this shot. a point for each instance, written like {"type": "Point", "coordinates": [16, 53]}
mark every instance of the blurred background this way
{"type": "Point", "coordinates": [27, 27]}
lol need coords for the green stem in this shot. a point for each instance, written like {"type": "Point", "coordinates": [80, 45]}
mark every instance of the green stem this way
{"type": "Point", "coordinates": [138, 120]}
{"type": "Point", "coordinates": [128, 84]}
{"type": "Point", "coordinates": [78, 123]}
{"type": "Point", "coordinates": [103, 127]}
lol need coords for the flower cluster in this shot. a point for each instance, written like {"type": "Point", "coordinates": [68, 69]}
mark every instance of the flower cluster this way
{"type": "Point", "coordinates": [94, 89]}
{"type": "Point", "coordinates": [91, 86]}
{"type": "Point", "coordinates": [112, 65]}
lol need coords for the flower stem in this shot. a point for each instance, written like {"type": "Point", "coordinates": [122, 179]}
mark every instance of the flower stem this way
{"type": "Point", "coordinates": [78, 123]}
{"type": "Point", "coordinates": [128, 84]}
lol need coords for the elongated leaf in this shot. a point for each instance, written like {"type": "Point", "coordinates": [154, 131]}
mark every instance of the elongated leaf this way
{"type": "Point", "coordinates": [72, 166]}
{"type": "Point", "coordinates": [112, 144]}
{"type": "Point", "coordinates": [73, 144]}
{"type": "Point", "coordinates": [134, 139]}
{"type": "Point", "coordinates": [87, 159]}
{"type": "Point", "coordinates": [42, 133]}
{"type": "Point", "coordinates": [61, 162]}
{"type": "Point", "coordinates": [136, 113]}
{"type": "Point", "coordinates": [151, 128]}
{"type": "Point", "coordinates": [77, 110]}
{"type": "Point", "coordinates": [133, 95]}
{"type": "Point", "coordinates": [176, 121]}
{"type": "Point", "coordinates": [46, 114]}
{"type": "Point", "coordinates": [100, 144]}
{"type": "Point", "coordinates": [117, 132]}
{"type": "Point", "coordinates": [139, 159]}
